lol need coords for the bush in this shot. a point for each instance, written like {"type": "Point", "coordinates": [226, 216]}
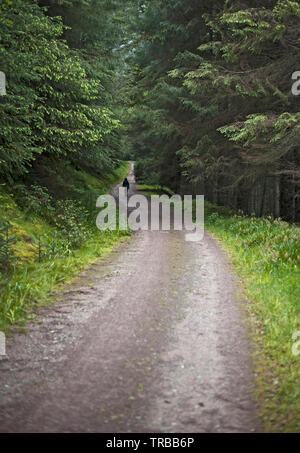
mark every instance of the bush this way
{"type": "Point", "coordinates": [7, 255]}
{"type": "Point", "coordinates": [37, 200]}
{"type": "Point", "coordinates": [72, 219]}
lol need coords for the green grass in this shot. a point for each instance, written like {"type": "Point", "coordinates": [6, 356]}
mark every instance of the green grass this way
{"type": "Point", "coordinates": [266, 254]}
{"type": "Point", "coordinates": [154, 190]}
{"type": "Point", "coordinates": [30, 285]}
{"type": "Point", "coordinates": [32, 279]}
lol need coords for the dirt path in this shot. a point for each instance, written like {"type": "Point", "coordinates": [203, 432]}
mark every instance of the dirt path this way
{"type": "Point", "coordinates": [149, 340]}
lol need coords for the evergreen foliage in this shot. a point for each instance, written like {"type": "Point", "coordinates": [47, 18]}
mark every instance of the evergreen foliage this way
{"type": "Point", "coordinates": [60, 68]}
{"type": "Point", "coordinates": [212, 101]}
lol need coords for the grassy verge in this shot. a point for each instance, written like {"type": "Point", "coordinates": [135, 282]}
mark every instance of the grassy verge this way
{"type": "Point", "coordinates": [45, 240]}
{"type": "Point", "coordinates": [266, 254]}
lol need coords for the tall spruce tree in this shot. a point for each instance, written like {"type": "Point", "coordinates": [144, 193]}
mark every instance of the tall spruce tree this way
{"type": "Point", "coordinates": [61, 61]}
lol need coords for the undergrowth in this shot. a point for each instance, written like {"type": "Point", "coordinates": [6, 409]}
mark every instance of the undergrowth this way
{"type": "Point", "coordinates": [47, 234]}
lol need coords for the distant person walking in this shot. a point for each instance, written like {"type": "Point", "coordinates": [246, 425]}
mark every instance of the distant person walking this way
{"type": "Point", "coordinates": [126, 184]}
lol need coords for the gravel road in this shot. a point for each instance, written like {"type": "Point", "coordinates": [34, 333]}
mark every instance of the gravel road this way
{"type": "Point", "coordinates": [151, 339]}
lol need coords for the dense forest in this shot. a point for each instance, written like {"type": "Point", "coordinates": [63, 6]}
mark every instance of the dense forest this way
{"type": "Point", "coordinates": [212, 107]}
{"type": "Point", "coordinates": [199, 93]}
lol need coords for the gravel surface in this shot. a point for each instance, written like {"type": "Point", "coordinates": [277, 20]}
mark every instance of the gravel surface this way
{"type": "Point", "coordinates": [151, 339]}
